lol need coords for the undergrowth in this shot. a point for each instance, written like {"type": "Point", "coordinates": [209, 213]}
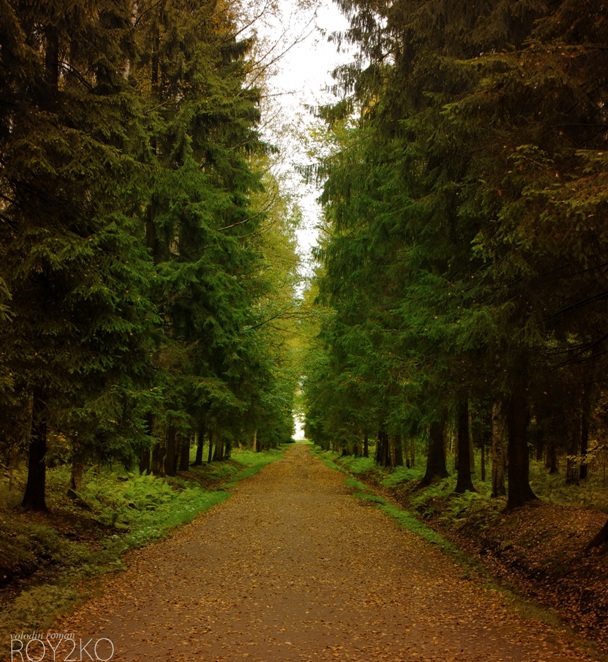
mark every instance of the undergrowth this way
{"type": "Point", "coordinates": [117, 511]}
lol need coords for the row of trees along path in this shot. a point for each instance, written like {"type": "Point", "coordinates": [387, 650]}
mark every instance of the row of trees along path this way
{"type": "Point", "coordinates": [293, 568]}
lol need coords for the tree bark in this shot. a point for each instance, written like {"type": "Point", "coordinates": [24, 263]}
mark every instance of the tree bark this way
{"type": "Point", "coordinates": [383, 449]}
{"type": "Point", "coordinates": [171, 456]}
{"type": "Point", "coordinates": [144, 455]}
{"type": "Point", "coordinates": [573, 430]}
{"type": "Point", "coordinates": [551, 458]}
{"type": "Point", "coordinates": [210, 453]}
{"type": "Point", "coordinates": [436, 468]}
{"type": "Point", "coordinates": [184, 453]}
{"type": "Point", "coordinates": [499, 450]}
{"type": "Point", "coordinates": [200, 444]}
{"type": "Point", "coordinates": [464, 482]}
{"type": "Point", "coordinates": [34, 497]}
{"type": "Point", "coordinates": [396, 453]}
{"type": "Point", "coordinates": [519, 491]}
{"type": "Point", "coordinates": [144, 461]}
{"type": "Point", "coordinates": [378, 450]}
{"type": "Point", "coordinates": [218, 451]}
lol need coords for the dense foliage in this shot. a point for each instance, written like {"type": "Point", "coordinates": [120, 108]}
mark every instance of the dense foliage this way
{"type": "Point", "coordinates": [462, 273]}
{"type": "Point", "coordinates": [136, 232]}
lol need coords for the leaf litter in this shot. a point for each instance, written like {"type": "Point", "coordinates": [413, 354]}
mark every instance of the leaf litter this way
{"type": "Point", "coordinates": [291, 568]}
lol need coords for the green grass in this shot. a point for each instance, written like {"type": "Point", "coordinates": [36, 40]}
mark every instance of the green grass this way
{"type": "Point", "coordinates": [410, 522]}
{"type": "Point", "coordinates": [126, 511]}
{"type": "Point", "coordinates": [398, 475]}
{"type": "Point", "coordinates": [358, 465]}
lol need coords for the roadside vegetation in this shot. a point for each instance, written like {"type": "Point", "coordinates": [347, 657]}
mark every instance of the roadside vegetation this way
{"type": "Point", "coordinates": [537, 551]}
{"type": "Point", "coordinates": [50, 562]}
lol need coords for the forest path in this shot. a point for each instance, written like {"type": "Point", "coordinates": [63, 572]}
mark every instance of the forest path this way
{"type": "Point", "coordinates": [292, 567]}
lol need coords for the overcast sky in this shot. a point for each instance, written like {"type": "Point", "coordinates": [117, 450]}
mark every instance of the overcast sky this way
{"type": "Point", "coordinates": [299, 78]}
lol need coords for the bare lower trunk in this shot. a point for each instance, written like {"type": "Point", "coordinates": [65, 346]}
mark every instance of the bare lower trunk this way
{"type": "Point", "coordinates": [436, 468]}
{"type": "Point", "coordinates": [158, 458]}
{"type": "Point", "coordinates": [184, 453]}
{"type": "Point", "coordinates": [464, 482]}
{"type": "Point", "coordinates": [396, 450]}
{"type": "Point", "coordinates": [144, 461]}
{"type": "Point", "coordinates": [218, 451]}
{"type": "Point", "coordinates": [200, 444]}
{"type": "Point", "coordinates": [383, 449]}
{"type": "Point", "coordinates": [551, 459]}
{"type": "Point", "coordinates": [35, 489]}
{"type": "Point", "coordinates": [144, 455]}
{"type": "Point", "coordinates": [171, 457]}
{"type": "Point", "coordinates": [210, 453]}
{"type": "Point", "coordinates": [499, 450]}
{"type": "Point", "coordinates": [519, 491]}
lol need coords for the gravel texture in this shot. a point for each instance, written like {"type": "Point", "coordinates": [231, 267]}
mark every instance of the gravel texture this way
{"type": "Point", "coordinates": [293, 567]}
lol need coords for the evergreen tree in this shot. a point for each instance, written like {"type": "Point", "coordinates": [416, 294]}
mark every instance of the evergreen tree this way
{"type": "Point", "coordinates": [72, 266]}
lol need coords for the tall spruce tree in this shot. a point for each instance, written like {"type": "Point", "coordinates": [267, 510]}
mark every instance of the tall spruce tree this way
{"type": "Point", "coordinates": [73, 269]}
{"type": "Point", "coordinates": [474, 178]}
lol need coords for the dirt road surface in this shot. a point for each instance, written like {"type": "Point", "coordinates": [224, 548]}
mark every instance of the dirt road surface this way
{"type": "Point", "coordinates": [292, 567]}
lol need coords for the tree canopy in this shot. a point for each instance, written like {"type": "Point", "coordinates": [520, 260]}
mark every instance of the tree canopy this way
{"type": "Point", "coordinates": [137, 229]}
{"type": "Point", "coordinates": [464, 204]}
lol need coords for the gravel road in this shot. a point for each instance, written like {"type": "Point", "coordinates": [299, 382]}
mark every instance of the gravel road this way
{"type": "Point", "coordinates": [292, 567]}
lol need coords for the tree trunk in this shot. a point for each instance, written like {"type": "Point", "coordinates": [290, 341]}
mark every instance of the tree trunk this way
{"type": "Point", "coordinates": [144, 455]}
{"type": "Point", "coordinates": [499, 450]}
{"type": "Point", "coordinates": [171, 457]}
{"type": "Point", "coordinates": [255, 445]}
{"type": "Point", "coordinates": [519, 491]}
{"type": "Point", "coordinates": [200, 444]}
{"type": "Point", "coordinates": [144, 461]}
{"type": "Point", "coordinates": [540, 446]}
{"type": "Point", "coordinates": [396, 451]}
{"type": "Point", "coordinates": [573, 460]}
{"type": "Point", "coordinates": [159, 453]}
{"type": "Point", "coordinates": [210, 453]}
{"type": "Point", "coordinates": [551, 458]}
{"type": "Point", "coordinates": [365, 446]}
{"type": "Point", "coordinates": [383, 449]}
{"type": "Point", "coordinates": [34, 497]}
{"type": "Point", "coordinates": [464, 482]}
{"type": "Point", "coordinates": [378, 454]}
{"type": "Point", "coordinates": [184, 454]}
{"type": "Point", "coordinates": [436, 468]}
{"type": "Point", "coordinates": [218, 451]}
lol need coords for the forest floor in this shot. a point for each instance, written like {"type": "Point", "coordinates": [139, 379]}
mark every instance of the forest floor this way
{"type": "Point", "coordinates": [539, 551]}
{"type": "Point", "coordinates": [52, 561]}
{"type": "Point", "coordinates": [294, 567]}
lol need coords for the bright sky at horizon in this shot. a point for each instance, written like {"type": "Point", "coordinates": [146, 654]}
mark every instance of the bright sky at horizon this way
{"type": "Point", "coordinates": [299, 80]}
